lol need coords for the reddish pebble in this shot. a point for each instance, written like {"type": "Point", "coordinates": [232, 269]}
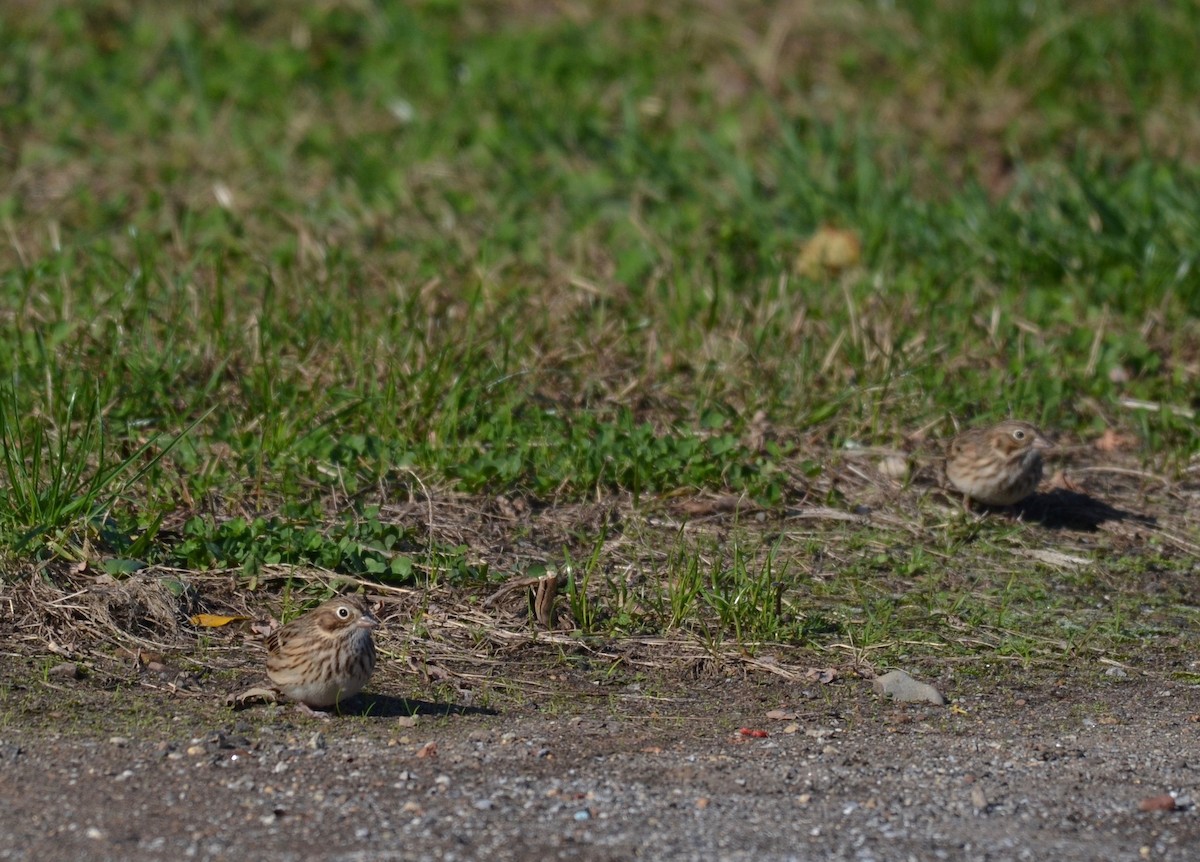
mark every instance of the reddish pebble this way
{"type": "Point", "coordinates": [429, 749]}
{"type": "Point", "coordinates": [1165, 802]}
{"type": "Point", "coordinates": [753, 733]}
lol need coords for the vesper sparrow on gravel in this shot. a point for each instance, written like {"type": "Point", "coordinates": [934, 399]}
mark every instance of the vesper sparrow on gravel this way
{"type": "Point", "coordinates": [998, 465]}
{"type": "Point", "coordinates": [325, 656]}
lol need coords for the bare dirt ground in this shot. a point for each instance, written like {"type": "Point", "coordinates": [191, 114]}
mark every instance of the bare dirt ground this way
{"type": "Point", "coordinates": [116, 765]}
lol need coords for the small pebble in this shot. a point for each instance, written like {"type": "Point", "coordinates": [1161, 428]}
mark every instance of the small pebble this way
{"type": "Point", "coordinates": [118, 741]}
{"type": "Point", "coordinates": [894, 466]}
{"type": "Point", "coordinates": [901, 687]}
{"type": "Point", "coordinates": [66, 670]}
{"type": "Point", "coordinates": [583, 815]}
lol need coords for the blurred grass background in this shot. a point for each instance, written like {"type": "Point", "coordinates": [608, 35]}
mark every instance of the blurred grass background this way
{"type": "Point", "coordinates": [267, 266]}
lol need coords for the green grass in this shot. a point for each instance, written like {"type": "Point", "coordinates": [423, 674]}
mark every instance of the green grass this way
{"type": "Point", "coordinates": [267, 272]}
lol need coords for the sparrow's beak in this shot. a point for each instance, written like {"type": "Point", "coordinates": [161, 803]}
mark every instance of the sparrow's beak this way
{"type": "Point", "coordinates": [1040, 442]}
{"type": "Point", "coordinates": [368, 621]}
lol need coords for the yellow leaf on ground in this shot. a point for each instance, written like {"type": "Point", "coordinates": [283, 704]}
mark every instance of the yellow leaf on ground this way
{"type": "Point", "coordinates": [829, 252]}
{"type": "Point", "coordinates": [213, 621]}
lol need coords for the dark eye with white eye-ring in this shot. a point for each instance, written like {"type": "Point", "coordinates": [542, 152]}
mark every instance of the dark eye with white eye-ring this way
{"type": "Point", "coordinates": [1018, 434]}
{"type": "Point", "coordinates": [343, 612]}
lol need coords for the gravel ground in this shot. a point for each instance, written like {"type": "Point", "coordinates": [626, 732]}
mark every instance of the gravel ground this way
{"type": "Point", "coordinates": [1054, 772]}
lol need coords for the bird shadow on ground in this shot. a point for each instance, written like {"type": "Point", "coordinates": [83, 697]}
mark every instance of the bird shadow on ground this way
{"type": "Point", "coordinates": [386, 706]}
{"type": "Point", "coordinates": [366, 705]}
{"type": "Point", "coordinates": [1061, 509]}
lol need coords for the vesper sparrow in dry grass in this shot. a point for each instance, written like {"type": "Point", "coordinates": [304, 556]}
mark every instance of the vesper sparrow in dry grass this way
{"type": "Point", "coordinates": [998, 465]}
{"type": "Point", "coordinates": [325, 656]}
